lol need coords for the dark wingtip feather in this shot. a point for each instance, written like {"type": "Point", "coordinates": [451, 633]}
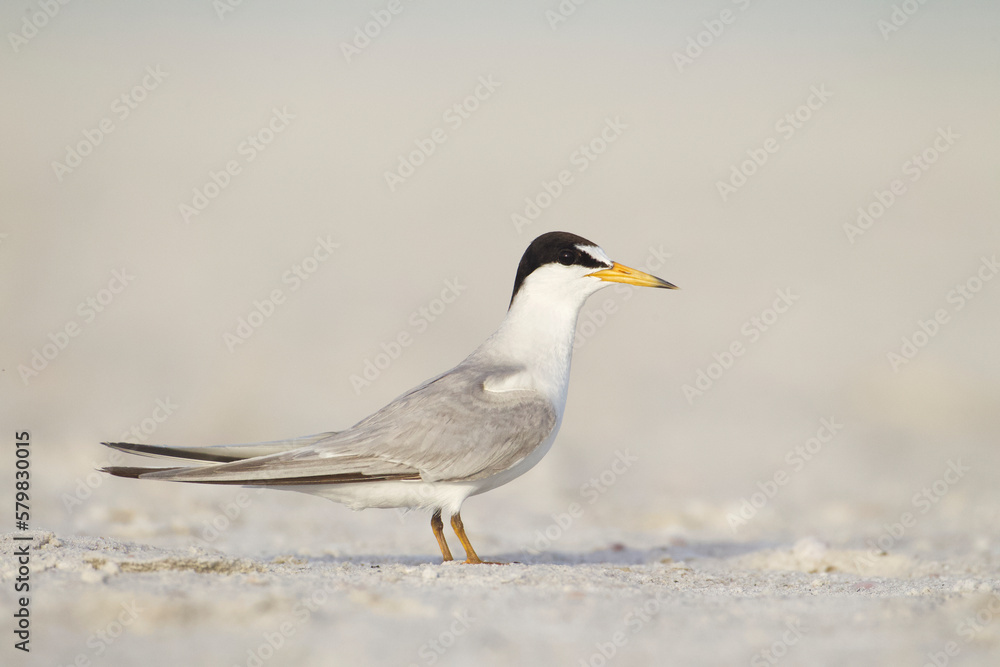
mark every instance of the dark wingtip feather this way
{"type": "Point", "coordinates": [132, 472]}
{"type": "Point", "coordinates": [171, 452]}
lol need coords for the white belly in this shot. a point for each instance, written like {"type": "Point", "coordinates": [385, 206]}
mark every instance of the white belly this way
{"type": "Point", "coordinates": [447, 496]}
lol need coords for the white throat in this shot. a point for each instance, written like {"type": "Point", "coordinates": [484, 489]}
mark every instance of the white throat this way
{"type": "Point", "coordinates": [539, 330]}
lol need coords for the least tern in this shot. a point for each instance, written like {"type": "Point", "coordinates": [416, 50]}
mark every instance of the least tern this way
{"type": "Point", "coordinates": [471, 429]}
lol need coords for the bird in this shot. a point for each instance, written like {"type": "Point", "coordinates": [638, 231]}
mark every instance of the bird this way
{"type": "Point", "coordinates": [466, 431]}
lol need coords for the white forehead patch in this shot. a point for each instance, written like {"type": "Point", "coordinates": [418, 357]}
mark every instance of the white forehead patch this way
{"type": "Point", "coordinates": [597, 254]}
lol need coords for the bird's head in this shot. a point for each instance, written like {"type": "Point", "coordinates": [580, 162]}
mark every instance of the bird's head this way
{"type": "Point", "coordinates": [564, 267]}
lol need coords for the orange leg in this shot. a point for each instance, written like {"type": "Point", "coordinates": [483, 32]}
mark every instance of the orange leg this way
{"type": "Point", "coordinates": [470, 553]}
{"type": "Point", "coordinates": [438, 527]}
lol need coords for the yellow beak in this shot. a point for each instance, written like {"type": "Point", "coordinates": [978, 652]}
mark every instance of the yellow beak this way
{"type": "Point", "coordinates": [619, 273]}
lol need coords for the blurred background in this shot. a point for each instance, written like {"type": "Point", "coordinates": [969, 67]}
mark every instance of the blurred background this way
{"type": "Point", "coordinates": [218, 214]}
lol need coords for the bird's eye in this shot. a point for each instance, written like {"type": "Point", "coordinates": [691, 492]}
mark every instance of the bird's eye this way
{"type": "Point", "coordinates": [567, 257]}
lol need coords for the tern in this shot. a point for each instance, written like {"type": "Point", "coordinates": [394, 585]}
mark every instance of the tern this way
{"type": "Point", "coordinates": [471, 429]}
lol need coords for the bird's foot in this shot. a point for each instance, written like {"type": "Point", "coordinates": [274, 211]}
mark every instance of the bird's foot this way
{"type": "Point", "coordinates": [479, 561]}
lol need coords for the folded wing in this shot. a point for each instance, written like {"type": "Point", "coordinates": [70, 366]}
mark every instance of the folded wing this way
{"type": "Point", "coordinates": [448, 429]}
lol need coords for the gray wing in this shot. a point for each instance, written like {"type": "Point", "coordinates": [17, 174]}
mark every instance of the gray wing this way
{"type": "Point", "coordinates": [448, 429]}
{"type": "Point", "coordinates": [452, 428]}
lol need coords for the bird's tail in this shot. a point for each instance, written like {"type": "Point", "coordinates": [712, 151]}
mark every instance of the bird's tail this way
{"type": "Point", "coordinates": [209, 454]}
